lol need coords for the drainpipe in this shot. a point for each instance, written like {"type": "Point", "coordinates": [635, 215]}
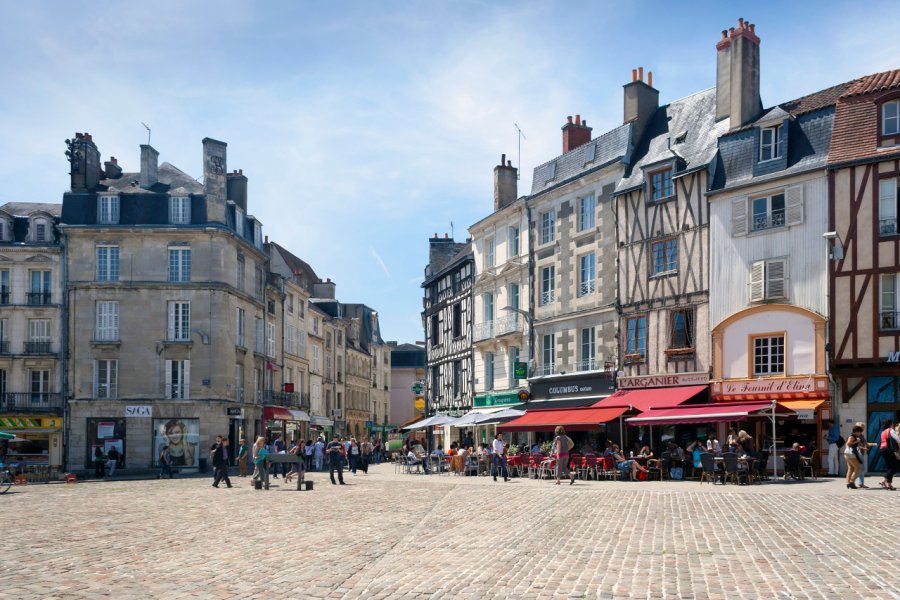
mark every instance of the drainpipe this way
{"type": "Point", "coordinates": [64, 345]}
{"type": "Point", "coordinates": [618, 304]}
{"type": "Point", "coordinates": [531, 364]}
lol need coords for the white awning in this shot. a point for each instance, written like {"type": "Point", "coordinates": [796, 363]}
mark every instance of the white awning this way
{"type": "Point", "coordinates": [321, 421]}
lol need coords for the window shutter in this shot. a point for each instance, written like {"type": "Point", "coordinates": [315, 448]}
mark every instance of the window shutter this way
{"type": "Point", "coordinates": [171, 329]}
{"type": "Point", "coordinates": [114, 320]}
{"type": "Point", "coordinates": [96, 381]}
{"type": "Point", "coordinates": [739, 216]}
{"type": "Point", "coordinates": [168, 392]}
{"type": "Point", "coordinates": [186, 380]}
{"type": "Point", "coordinates": [887, 199]}
{"type": "Point", "coordinates": [101, 320]}
{"type": "Point", "coordinates": [757, 286]}
{"type": "Point", "coordinates": [776, 274]}
{"type": "Point", "coordinates": [793, 205]}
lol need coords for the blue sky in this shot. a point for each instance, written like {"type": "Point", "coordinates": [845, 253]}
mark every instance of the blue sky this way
{"type": "Point", "coordinates": [367, 127]}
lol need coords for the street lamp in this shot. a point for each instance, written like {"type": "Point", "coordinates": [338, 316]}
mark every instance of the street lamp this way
{"type": "Point", "coordinates": [530, 320]}
{"type": "Point", "coordinates": [837, 245]}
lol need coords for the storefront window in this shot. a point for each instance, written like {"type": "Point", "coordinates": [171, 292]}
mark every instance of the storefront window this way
{"type": "Point", "coordinates": [104, 434]}
{"type": "Point", "coordinates": [182, 436]}
{"type": "Point", "coordinates": [884, 404]}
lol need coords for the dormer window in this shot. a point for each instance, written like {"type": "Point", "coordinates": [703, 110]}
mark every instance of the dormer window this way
{"type": "Point", "coordinates": [3, 226]}
{"type": "Point", "coordinates": [180, 210]}
{"type": "Point", "coordinates": [551, 171]}
{"type": "Point", "coordinates": [890, 118]}
{"type": "Point", "coordinates": [239, 221]}
{"type": "Point", "coordinates": [769, 138]}
{"type": "Point", "coordinates": [40, 231]}
{"type": "Point", "coordinates": [108, 209]}
{"type": "Point", "coordinates": [661, 186]}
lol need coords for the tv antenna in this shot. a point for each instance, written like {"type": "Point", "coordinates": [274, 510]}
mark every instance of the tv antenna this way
{"type": "Point", "coordinates": [147, 127]}
{"type": "Point", "coordinates": [451, 230]}
{"type": "Point", "coordinates": [521, 137]}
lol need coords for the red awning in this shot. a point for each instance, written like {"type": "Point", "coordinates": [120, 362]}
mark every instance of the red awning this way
{"type": "Point", "coordinates": [573, 419]}
{"type": "Point", "coordinates": [650, 398]}
{"type": "Point", "coordinates": [277, 413]}
{"type": "Point", "coordinates": [719, 412]}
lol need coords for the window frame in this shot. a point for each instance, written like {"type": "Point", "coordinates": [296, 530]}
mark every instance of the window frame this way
{"type": "Point", "coordinates": [179, 270]}
{"type": "Point", "coordinates": [178, 379]}
{"type": "Point", "coordinates": [770, 214]}
{"type": "Point", "coordinates": [490, 253]}
{"type": "Point", "coordinates": [178, 321]}
{"type": "Point", "coordinates": [548, 227]}
{"type": "Point", "coordinates": [587, 285]}
{"type": "Point", "coordinates": [888, 319]}
{"type": "Point", "coordinates": [883, 121]}
{"type": "Point", "coordinates": [548, 353]}
{"type": "Point", "coordinates": [666, 184]}
{"type": "Point", "coordinates": [240, 337]}
{"type": "Point", "coordinates": [489, 371]}
{"type": "Point", "coordinates": [689, 334]}
{"type": "Point", "coordinates": [180, 210]}
{"type": "Point", "coordinates": [111, 379]}
{"type": "Point", "coordinates": [666, 247]}
{"type": "Point", "coordinates": [109, 265]}
{"type": "Point", "coordinates": [548, 285]}
{"type": "Point", "coordinates": [587, 219]}
{"type": "Point", "coordinates": [513, 241]}
{"type": "Point", "coordinates": [752, 353]}
{"type": "Point", "coordinates": [771, 150]}
{"type": "Point", "coordinates": [106, 321]}
{"type": "Point", "coordinates": [888, 195]}
{"type": "Point", "coordinates": [587, 349]}
{"type": "Point", "coordinates": [108, 209]}
{"type": "Point", "coordinates": [635, 343]}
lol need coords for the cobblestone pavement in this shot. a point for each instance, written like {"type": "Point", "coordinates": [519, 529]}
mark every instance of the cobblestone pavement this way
{"type": "Point", "coordinates": [390, 535]}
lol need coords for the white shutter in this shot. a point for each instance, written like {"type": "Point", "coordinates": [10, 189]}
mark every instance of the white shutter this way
{"type": "Point", "coordinates": [186, 380]}
{"type": "Point", "coordinates": [171, 328]}
{"type": "Point", "coordinates": [776, 275]}
{"type": "Point", "coordinates": [100, 330]}
{"type": "Point", "coordinates": [757, 282]}
{"type": "Point", "coordinates": [168, 390]}
{"type": "Point", "coordinates": [793, 205]}
{"type": "Point", "coordinates": [96, 382]}
{"type": "Point", "coordinates": [113, 320]}
{"type": "Point", "coordinates": [739, 216]}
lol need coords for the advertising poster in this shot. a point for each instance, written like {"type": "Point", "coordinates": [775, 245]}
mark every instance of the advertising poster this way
{"type": "Point", "coordinates": [117, 444]}
{"type": "Point", "coordinates": [182, 436]}
{"type": "Point", "coordinates": [106, 429]}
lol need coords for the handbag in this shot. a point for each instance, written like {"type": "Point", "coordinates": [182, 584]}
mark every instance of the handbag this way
{"type": "Point", "coordinates": [677, 473]}
{"type": "Point", "coordinates": [841, 442]}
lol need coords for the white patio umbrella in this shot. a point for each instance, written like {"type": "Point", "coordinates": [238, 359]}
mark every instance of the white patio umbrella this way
{"type": "Point", "coordinates": [507, 413]}
{"type": "Point", "coordinates": [430, 422]}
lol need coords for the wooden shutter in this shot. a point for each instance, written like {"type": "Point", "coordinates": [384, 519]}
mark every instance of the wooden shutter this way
{"type": "Point", "coordinates": [776, 278]}
{"type": "Point", "coordinates": [739, 216]}
{"type": "Point", "coordinates": [171, 329]}
{"type": "Point", "coordinates": [96, 381]}
{"type": "Point", "coordinates": [186, 380]}
{"type": "Point", "coordinates": [113, 320]}
{"type": "Point", "coordinates": [168, 391]}
{"type": "Point", "coordinates": [793, 205]}
{"type": "Point", "coordinates": [100, 331]}
{"type": "Point", "coordinates": [757, 283]}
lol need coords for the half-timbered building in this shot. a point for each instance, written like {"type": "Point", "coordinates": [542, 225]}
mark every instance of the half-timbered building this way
{"type": "Point", "coordinates": [864, 244]}
{"type": "Point", "coordinates": [447, 317]}
{"type": "Point", "coordinates": [768, 300]}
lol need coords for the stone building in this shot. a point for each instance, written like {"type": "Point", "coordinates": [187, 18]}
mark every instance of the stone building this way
{"type": "Point", "coordinates": [167, 307]}
{"type": "Point", "coordinates": [407, 371]}
{"type": "Point", "coordinates": [32, 338]}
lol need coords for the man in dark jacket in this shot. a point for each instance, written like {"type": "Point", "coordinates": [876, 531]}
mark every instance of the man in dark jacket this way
{"type": "Point", "coordinates": [220, 461]}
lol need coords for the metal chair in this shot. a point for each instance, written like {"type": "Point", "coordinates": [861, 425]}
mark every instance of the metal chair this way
{"type": "Point", "coordinates": [732, 471]}
{"type": "Point", "coordinates": [708, 469]}
{"type": "Point", "coordinates": [811, 465]}
{"type": "Point", "coordinates": [792, 465]}
{"type": "Point", "coordinates": [589, 466]}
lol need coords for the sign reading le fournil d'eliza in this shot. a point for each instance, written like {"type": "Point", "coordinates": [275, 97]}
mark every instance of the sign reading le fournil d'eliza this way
{"type": "Point", "coordinates": [571, 387]}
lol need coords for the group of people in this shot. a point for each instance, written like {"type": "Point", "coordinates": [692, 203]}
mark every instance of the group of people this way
{"type": "Point", "coordinates": [858, 449]}
{"type": "Point", "coordinates": [105, 464]}
{"type": "Point", "coordinates": [340, 452]}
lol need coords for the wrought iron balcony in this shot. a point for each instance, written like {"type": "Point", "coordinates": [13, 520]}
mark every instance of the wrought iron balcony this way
{"type": "Point", "coordinates": [106, 391]}
{"type": "Point", "coordinates": [776, 219]}
{"type": "Point", "coordinates": [38, 348]}
{"type": "Point", "coordinates": [546, 369]}
{"type": "Point", "coordinates": [34, 402]}
{"type": "Point", "coordinates": [286, 399]}
{"type": "Point", "coordinates": [4, 347]}
{"type": "Point", "coordinates": [548, 297]}
{"type": "Point", "coordinates": [38, 298]}
{"type": "Point", "coordinates": [497, 327]}
{"type": "Point", "coordinates": [589, 364]}
{"type": "Point", "coordinates": [887, 226]}
{"type": "Point", "coordinates": [586, 288]}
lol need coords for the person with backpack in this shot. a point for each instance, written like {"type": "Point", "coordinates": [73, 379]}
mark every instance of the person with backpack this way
{"type": "Point", "coordinates": [560, 448]}
{"type": "Point", "coordinates": [889, 446]}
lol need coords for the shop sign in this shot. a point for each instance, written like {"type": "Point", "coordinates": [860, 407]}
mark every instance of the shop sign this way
{"type": "Point", "coordinates": [797, 385]}
{"type": "Point", "coordinates": [232, 411]}
{"type": "Point", "coordinates": [19, 422]}
{"type": "Point", "coordinates": [673, 380]}
{"type": "Point", "coordinates": [500, 399]}
{"type": "Point", "coordinates": [139, 411]}
{"type": "Point", "coordinates": [805, 414]}
{"type": "Point", "coordinates": [53, 423]}
{"type": "Point", "coordinates": [570, 387]}
{"type": "Point", "coordinates": [521, 370]}
{"type": "Point", "coordinates": [893, 357]}
{"type": "Point", "coordinates": [420, 403]}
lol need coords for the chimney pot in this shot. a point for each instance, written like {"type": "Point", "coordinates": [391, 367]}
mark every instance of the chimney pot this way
{"type": "Point", "coordinates": [753, 28]}
{"type": "Point", "coordinates": [578, 119]}
{"type": "Point", "coordinates": [503, 159]}
{"type": "Point", "coordinates": [569, 119]}
{"type": "Point", "coordinates": [113, 160]}
{"type": "Point", "coordinates": [634, 75]}
{"type": "Point", "coordinates": [509, 163]}
{"type": "Point", "coordinates": [266, 238]}
{"type": "Point", "coordinates": [584, 122]}
{"type": "Point", "coordinates": [446, 236]}
{"type": "Point", "coordinates": [724, 34]}
{"type": "Point", "coordinates": [641, 73]}
{"type": "Point", "coordinates": [650, 78]}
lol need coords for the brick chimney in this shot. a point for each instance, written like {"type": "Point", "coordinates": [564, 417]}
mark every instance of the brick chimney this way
{"type": "Point", "coordinates": [84, 163]}
{"type": "Point", "coordinates": [737, 75]}
{"type": "Point", "coordinates": [575, 134]}
{"type": "Point", "coordinates": [112, 168]}
{"type": "Point", "coordinates": [149, 166]}
{"type": "Point", "coordinates": [505, 184]}
{"type": "Point", "coordinates": [641, 102]}
{"type": "Point", "coordinates": [237, 188]}
{"type": "Point", "coordinates": [214, 169]}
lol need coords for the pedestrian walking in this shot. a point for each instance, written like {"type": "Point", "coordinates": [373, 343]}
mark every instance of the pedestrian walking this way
{"type": "Point", "coordinates": [832, 439]}
{"type": "Point", "coordinates": [889, 447]}
{"type": "Point", "coordinates": [165, 463]}
{"type": "Point", "coordinates": [112, 461]}
{"type": "Point", "coordinates": [560, 448]}
{"type": "Point", "coordinates": [365, 449]}
{"type": "Point", "coordinates": [319, 452]}
{"type": "Point", "coordinates": [242, 456]}
{"type": "Point", "coordinates": [334, 450]}
{"type": "Point", "coordinates": [353, 453]}
{"type": "Point", "coordinates": [308, 454]}
{"type": "Point", "coordinates": [278, 448]}
{"type": "Point", "coordinates": [853, 457]}
{"type": "Point", "coordinates": [865, 447]}
{"type": "Point", "coordinates": [99, 463]}
{"type": "Point", "coordinates": [499, 458]}
{"type": "Point", "coordinates": [220, 461]}
{"type": "Point", "coordinates": [377, 451]}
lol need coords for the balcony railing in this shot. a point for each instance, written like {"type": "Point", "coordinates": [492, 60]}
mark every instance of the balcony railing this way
{"type": "Point", "coordinates": [35, 402]}
{"type": "Point", "coordinates": [548, 297]}
{"type": "Point", "coordinates": [586, 288]}
{"type": "Point", "coordinates": [890, 320]}
{"type": "Point", "coordinates": [38, 348]}
{"type": "Point", "coordinates": [776, 219]}
{"type": "Point", "coordinates": [887, 226]}
{"type": "Point", "coordinates": [4, 347]}
{"type": "Point", "coordinates": [589, 364]}
{"type": "Point", "coordinates": [4, 297]}
{"type": "Point", "coordinates": [286, 399]}
{"type": "Point", "coordinates": [497, 327]}
{"type": "Point", "coordinates": [546, 369]}
{"type": "Point", "coordinates": [38, 298]}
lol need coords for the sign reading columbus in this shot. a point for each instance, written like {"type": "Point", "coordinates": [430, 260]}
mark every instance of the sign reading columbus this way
{"type": "Point", "coordinates": [597, 385]}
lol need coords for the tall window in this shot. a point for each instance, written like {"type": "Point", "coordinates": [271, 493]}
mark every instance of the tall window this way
{"type": "Point", "coordinates": [768, 355]}
{"type": "Point", "coordinates": [588, 349]}
{"type": "Point", "coordinates": [488, 370]}
{"type": "Point", "coordinates": [513, 241]}
{"type": "Point", "coordinates": [108, 209]}
{"type": "Point", "coordinates": [768, 212]}
{"type": "Point", "coordinates": [548, 285]}
{"type": "Point", "coordinates": [179, 329]}
{"type": "Point", "coordinates": [40, 386]}
{"type": "Point", "coordinates": [4, 286]}
{"type": "Point", "coordinates": [315, 359]}
{"type": "Point", "coordinates": [290, 337]}
{"type": "Point", "coordinates": [488, 307]}
{"type": "Point", "coordinates": [890, 319]}
{"type": "Point", "coordinates": [240, 338]}
{"type": "Point", "coordinates": [890, 118]}
{"type": "Point", "coordinates": [665, 256]}
{"type": "Point", "coordinates": [681, 327]}
{"type": "Point", "coordinates": [240, 273]}
{"type": "Point", "coordinates": [260, 282]}
{"type": "Point", "coordinates": [457, 319]}
{"type": "Point", "coordinates": [4, 338]}
{"type": "Point", "coordinates": [887, 205]}
{"type": "Point", "coordinates": [107, 321]}
{"type": "Point", "coordinates": [38, 336]}
{"type": "Point", "coordinates": [636, 337]}
{"type": "Point", "coordinates": [586, 274]}
{"type": "Point", "coordinates": [239, 221]}
{"type": "Point", "coordinates": [107, 263]}
{"type": "Point", "coordinates": [179, 264]}
{"type": "Point", "coordinates": [548, 226]}
{"type": "Point", "coordinates": [586, 210]}
{"type": "Point", "coordinates": [548, 348]}
{"type": "Point", "coordinates": [106, 378]}
{"type": "Point", "coordinates": [514, 295]}
{"type": "Point", "coordinates": [769, 147]}
{"type": "Point", "coordinates": [40, 231]}
{"type": "Point", "coordinates": [489, 258]}
{"type": "Point", "coordinates": [257, 335]}
{"type": "Point", "coordinates": [435, 331]}
{"type": "Point", "coordinates": [301, 339]}
{"type": "Point", "coordinates": [270, 340]}
{"type": "Point", "coordinates": [239, 382]}
{"type": "Point", "coordinates": [179, 210]}
{"type": "Point", "coordinates": [768, 280]}
{"type": "Point", "coordinates": [40, 288]}
{"type": "Point", "coordinates": [457, 378]}
{"type": "Point", "coordinates": [178, 379]}
{"type": "Point", "coordinates": [661, 185]}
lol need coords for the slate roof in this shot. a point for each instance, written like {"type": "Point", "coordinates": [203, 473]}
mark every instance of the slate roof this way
{"type": "Point", "coordinates": [694, 117]}
{"type": "Point", "coordinates": [297, 265]}
{"type": "Point", "coordinates": [856, 123]}
{"type": "Point", "coordinates": [466, 252]}
{"type": "Point", "coordinates": [26, 209]}
{"type": "Point", "coordinates": [608, 148]}
{"type": "Point", "coordinates": [170, 178]}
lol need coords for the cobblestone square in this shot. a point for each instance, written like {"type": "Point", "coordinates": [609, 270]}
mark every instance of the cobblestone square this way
{"type": "Point", "coordinates": [388, 535]}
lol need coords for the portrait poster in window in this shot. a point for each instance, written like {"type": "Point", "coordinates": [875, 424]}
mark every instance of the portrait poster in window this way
{"type": "Point", "coordinates": [182, 436]}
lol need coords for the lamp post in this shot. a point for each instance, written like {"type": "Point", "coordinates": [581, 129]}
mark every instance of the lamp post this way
{"type": "Point", "coordinates": [530, 320]}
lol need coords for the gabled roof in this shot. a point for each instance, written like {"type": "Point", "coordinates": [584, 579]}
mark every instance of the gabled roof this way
{"type": "Point", "coordinates": [169, 177]}
{"type": "Point", "coordinates": [856, 125]}
{"type": "Point", "coordinates": [694, 119]}
{"type": "Point", "coordinates": [26, 209]}
{"type": "Point", "coordinates": [607, 148]}
{"type": "Point", "coordinates": [297, 265]}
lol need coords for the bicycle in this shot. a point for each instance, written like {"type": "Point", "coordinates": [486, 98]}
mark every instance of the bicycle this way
{"type": "Point", "coordinates": [6, 480]}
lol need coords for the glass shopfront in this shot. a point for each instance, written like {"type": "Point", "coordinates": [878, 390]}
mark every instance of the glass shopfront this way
{"type": "Point", "coordinates": [105, 433]}
{"type": "Point", "coordinates": [182, 436]}
{"type": "Point", "coordinates": [883, 403]}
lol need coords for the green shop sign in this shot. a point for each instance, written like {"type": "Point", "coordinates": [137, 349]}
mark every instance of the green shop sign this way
{"type": "Point", "coordinates": [497, 399]}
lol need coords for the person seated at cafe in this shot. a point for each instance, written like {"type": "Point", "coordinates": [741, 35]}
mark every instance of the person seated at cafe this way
{"type": "Point", "coordinates": [696, 449]}
{"type": "Point", "coordinates": [676, 453]}
{"type": "Point", "coordinates": [587, 448]}
{"type": "Point", "coordinates": [731, 442]}
{"type": "Point", "coordinates": [746, 444]}
{"type": "Point", "coordinates": [627, 465]}
{"type": "Point", "coordinates": [809, 449]}
{"type": "Point", "coordinates": [610, 449]}
{"type": "Point", "coordinates": [454, 449]}
{"type": "Point", "coordinates": [713, 446]}
{"type": "Point", "coordinates": [536, 448]}
{"type": "Point", "coordinates": [645, 452]}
